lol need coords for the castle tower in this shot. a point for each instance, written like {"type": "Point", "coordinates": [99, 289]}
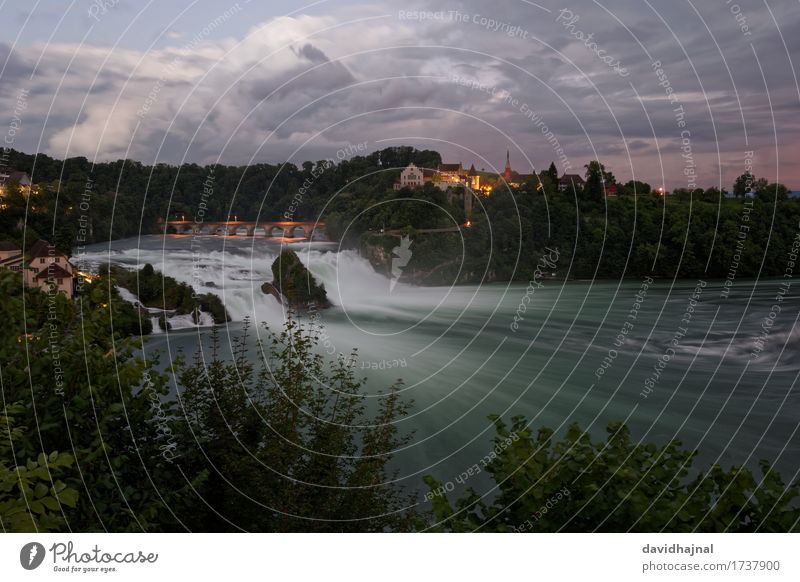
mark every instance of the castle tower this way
{"type": "Point", "coordinates": [473, 178]}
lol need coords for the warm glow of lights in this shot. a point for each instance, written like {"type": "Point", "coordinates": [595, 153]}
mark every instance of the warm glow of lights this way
{"type": "Point", "coordinates": [468, 223]}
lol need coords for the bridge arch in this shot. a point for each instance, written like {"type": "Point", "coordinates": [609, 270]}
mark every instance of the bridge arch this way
{"type": "Point", "coordinates": [307, 230]}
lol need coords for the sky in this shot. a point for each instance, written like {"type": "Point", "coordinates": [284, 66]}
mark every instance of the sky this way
{"type": "Point", "coordinates": [680, 94]}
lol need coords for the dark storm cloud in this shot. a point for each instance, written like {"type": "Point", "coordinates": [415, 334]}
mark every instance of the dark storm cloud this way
{"type": "Point", "coordinates": [311, 53]}
{"type": "Point", "coordinates": [13, 68]}
{"type": "Point", "coordinates": [301, 81]}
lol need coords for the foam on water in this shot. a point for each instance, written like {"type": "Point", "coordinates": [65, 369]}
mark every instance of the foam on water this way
{"type": "Point", "coordinates": [236, 273]}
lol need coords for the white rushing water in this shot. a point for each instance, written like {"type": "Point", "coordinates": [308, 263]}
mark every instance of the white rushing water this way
{"type": "Point", "coordinates": [236, 272]}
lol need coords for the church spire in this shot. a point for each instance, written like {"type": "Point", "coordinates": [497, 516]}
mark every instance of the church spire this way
{"type": "Point", "coordinates": [508, 173]}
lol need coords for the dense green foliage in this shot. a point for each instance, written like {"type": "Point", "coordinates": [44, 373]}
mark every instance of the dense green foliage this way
{"type": "Point", "coordinates": [296, 283]}
{"type": "Point", "coordinates": [154, 289]}
{"type": "Point", "coordinates": [579, 485]}
{"type": "Point", "coordinates": [127, 198]}
{"type": "Point", "coordinates": [289, 447]}
{"type": "Point", "coordinates": [77, 386]}
{"type": "Point", "coordinates": [638, 232]}
{"type": "Point", "coordinates": [31, 492]}
{"type": "Point", "coordinates": [682, 235]}
{"type": "Point", "coordinates": [674, 236]}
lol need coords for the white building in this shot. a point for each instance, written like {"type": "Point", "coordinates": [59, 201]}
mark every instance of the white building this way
{"type": "Point", "coordinates": [411, 177]}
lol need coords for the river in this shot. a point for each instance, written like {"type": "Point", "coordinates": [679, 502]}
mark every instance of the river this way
{"type": "Point", "coordinates": [580, 352]}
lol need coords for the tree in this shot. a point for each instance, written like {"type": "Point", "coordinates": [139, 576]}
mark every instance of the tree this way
{"type": "Point", "coordinates": [594, 188]}
{"type": "Point", "coordinates": [32, 495]}
{"type": "Point", "coordinates": [636, 187]}
{"type": "Point", "coordinates": [93, 397]}
{"type": "Point", "coordinates": [748, 185]}
{"type": "Point", "coordinates": [579, 485]}
{"type": "Point", "coordinates": [552, 171]}
{"type": "Point", "coordinates": [290, 447]}
{"type": "Point", "coordinates": [775, 192]}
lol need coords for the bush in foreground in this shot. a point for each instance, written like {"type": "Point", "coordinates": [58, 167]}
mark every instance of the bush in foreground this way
{"type": "Point", "coordinates": [578, 485]}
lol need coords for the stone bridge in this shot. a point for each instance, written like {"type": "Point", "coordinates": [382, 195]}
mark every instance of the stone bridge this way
{"type": "Point", "coordinates": [263, 228]}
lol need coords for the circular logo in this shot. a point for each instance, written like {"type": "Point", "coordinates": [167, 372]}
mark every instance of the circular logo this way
{"type": "Point", "coordinates": [31, 555]}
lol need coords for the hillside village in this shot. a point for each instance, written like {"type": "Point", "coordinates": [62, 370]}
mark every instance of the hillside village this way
{"type": "Point", "coordinates": [453, 175]}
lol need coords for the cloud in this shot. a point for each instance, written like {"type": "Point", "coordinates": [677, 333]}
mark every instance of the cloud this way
{"type": "Point", "coordinates": [302, 86]}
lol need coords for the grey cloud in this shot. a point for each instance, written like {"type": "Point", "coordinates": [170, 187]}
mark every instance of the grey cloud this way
{"type": "Point", "coordinates": [311, 53]}
{"type": "Point", "coordinates": [312, 69]}
{"type": "Point", "coordinates": [13, 68]}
